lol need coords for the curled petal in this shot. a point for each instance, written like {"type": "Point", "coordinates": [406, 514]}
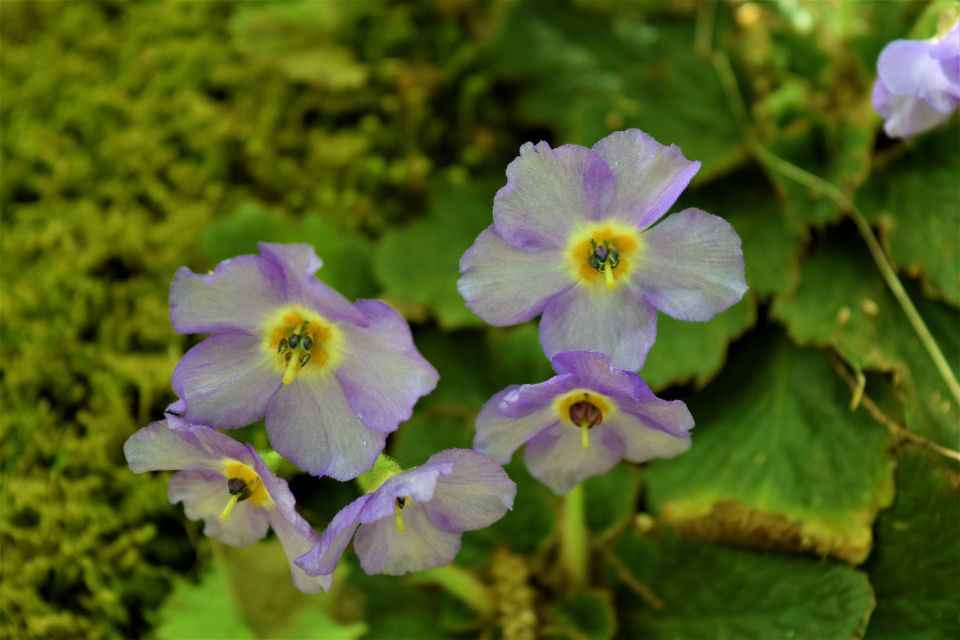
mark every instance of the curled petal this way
{"type": "Point", "coordinates": [506, 286]}
{"type": "Point", "coordinates": [904, 116]}
{"type": "Point", "coordinates": [322, 557]}
{"type": "Point", "coordinates": [908, 68]}
{"type": "Point", "coordinates": [204, 494]}
{"type": "Point", "coordinates": [692, 266]}
{"type": "Point", "coordinates": [418, 483]}
{"type": "Point", "coordinates": [311, 424]}
{"type": "Point", "coordinates": [558, 459]}
{"type": "Point", "coordinates": [548, 192]}
{"type": "Point", "coordinates": [382, 548]}
{"type": "Point", "coordinates": [476, 494]}
{"type": "Point", "coordinates": [382, 373]}
{"type": "Point", "coordinates": [173, 444]}
{"type": "Point", "coordinates": [236, 296]}
{"type": "Point", "coordinates": [649, 176]}
{"type": "Point", "coordinates": [226, 381]}
{"type": "Point", "coordinates": [947, 51]}
{"type": "Point", "coordinates": [645, 439]}
{"type": "Point", "coordinates": [593, 319]}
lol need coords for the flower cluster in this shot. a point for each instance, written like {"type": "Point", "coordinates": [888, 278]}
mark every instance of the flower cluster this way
{"type": "Point", "coordinates": [575, 237]}
{"type": "Point", "coordinates": [918, 83]}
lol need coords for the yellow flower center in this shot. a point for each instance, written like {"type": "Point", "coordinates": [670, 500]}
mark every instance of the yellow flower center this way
{"type": "Point", "coordinates": [243, 483]}
{"type": "Point", "coordinates": [300, 341]}
{"type": "Point", "coordinates": [584, 409]}
{"type": "Point", "coordinates": [603, 252]}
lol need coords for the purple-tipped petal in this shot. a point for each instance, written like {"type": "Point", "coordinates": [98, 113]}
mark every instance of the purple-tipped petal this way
{"type": "Point", "coordinates": [908, 68]}
{"type": "Point", "coordinates": [645, 439]}
{"type": "Point", "coordinates": [548, 192]}
{"type": "Point", "coordinates": [904, 116]}
{"type": "Point", "coordinates": [649, 175]}
{"type": "Point", "coordinates": [382, 373]}
{"type": "Point", "coordinates": [310, 423]}
{"type": "Point", "coordinates": [236, 296]}
{"type": "Point", "coordinates": [506, 286]}
{"type": "Point", "coordinates": [226, 381]}
{"type": "Point", "coordinates": [322, 557]}
{"type": "Point", "coordinates": [516, 414]}
{"type": "Point", "coordinates": [418, 483]}
{"type": "Point", "coordinates": [947, 52]}
{"type": "Point", "coordinates": [204, 494]}
{"type": "Point", "coordinates": [597, 319]}
{"type": "Point", "coordinates": [156, 447]}
{"type": "Point", "coordinates": [382, 548]}
{"type": "Point", "coordinates": [298, 263]}
{"type": "Point", "coordinates": [691, 267]}
{"type": "Point", "coordinates": [476, 494]}
{"type": "Point", "coordinates": [557, 458]}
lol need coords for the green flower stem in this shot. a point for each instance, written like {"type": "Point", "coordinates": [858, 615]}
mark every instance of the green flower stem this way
{"type": "Point", "coordinates": [461, 584]}
{"type": "Point", "coordinates": [574, 543]}
{"type": "Point", "coordinates": [827, 189]}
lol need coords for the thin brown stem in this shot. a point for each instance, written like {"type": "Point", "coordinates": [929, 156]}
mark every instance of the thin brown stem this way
{"type": "Point", "coordinates": [626, 576]}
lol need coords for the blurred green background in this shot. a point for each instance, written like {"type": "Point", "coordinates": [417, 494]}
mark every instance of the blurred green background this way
{"type": "Point", "coordinates": [141, 136]}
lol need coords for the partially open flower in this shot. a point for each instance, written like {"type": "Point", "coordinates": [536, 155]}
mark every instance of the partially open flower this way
{"type": "Point", "coordinates": [332, 378]}
{"type": "Point", "coordinates": [414, 519]}
{"type": "Point", "coordinates": [918, 83]}
{"type": "Point", "coordinates": [573, 238]}
{"type": "Point", "coordinates": [582, 422]}
{"type": "Point", "coordinates": [227, 485]}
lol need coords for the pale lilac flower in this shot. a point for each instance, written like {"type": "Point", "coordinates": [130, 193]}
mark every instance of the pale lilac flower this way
{"type": "Point", "coordinates": [414, 520]}
{"type": "Point", "coordinates": [227, 485]}
{"type": "Point", "coordinates": [332, 378]}
{"type": "Point", "coordinates": [918, 83]}
{"type": "Point", "coordinates": [582, 422]}
{"type": "Point", "coordinates": [573, 238]}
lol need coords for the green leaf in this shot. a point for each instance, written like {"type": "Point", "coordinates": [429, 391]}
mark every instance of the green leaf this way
{"type": "Point", "coordinates": [778, 459]}
{"type": "Point", "coordinates": [611, 497]}
{"type": "Point", "coordinates": [463, 360]}
{"type": "Point", "coordinates": [204, 610]}
{"type": "Point", "coordinates": [418, 265]}
{"type": "Point", "coordinates": [718, 593]}
{"type": "Point", "coordinates": [346, 255]}
{"type": "Point", "coordinates": [584, 616]}
{"type": "Point", "coordinates": [916, 558]}
{"type": "Point", "coordinates": [695, 351]}
{"type": "Point", "coordinates": [843, 302]}
{"type": "Point", "coordinates": [915, 203]}
{"type": "Point", "coordinates": [430, 431]}
{"type": "Point", "coordinates": [586, 74]}
{"type": "Point", "coordinates": [517, 357]}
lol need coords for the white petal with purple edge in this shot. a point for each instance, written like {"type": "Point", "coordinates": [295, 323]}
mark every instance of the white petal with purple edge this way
{"type": "Point", "coordinates": [296, 537]}
{"type": "Point", "coordinates": [501, 430]}
{"type": "Point", "coordinates": [557, 458]}
{"type": "Point", "coordinates": [643, 442]}
{"type": "Point", "coordinates": [226, 380]}
{"type": "Point", "coordinates": [548, 192]}
{"type": "Point", "coordinates": [322, 558]}
{"type": "Point", "coordinates": [474, 496]}
{"type": "Point", "coordinates": [908, 68]}
{"type": "Point", "coordinates": [156, 447]}
{"type": "Point", "coordinates": [237, 295]}
{"type": "Point", "coordinates": [204, 496]}
{"type": "Point", "coordinates": [506, 286]}
{"type": "Point", "coordinates": [649, 175]}
{"type": "Point", "coordinates": [691, 267]}
{"type": "Point", "coordinates": [597, 319]}
{"type": "Point", "coordinates": [382, 373]}
{"type": "Point", "coordinates": [382, 548]}
{"type": "Point", "coordinates": [310, 423]}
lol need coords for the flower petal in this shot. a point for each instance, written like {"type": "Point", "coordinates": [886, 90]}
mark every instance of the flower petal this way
{"type": "Point", "coordinates": [692, 267]}
{"type": "Point", "coordinates": [947, 51]}
{"type": "Point", "coordinates": [548, 192]}
{"type": "Point", "coordinates": [904, 116]}
{"type": "Point", "coordinates": [235, 296]}
{"type": "Point", "coordinates": [204, 494]}
{"type": "Point", "coordinates": [516, 414]}
{"type": "Point", "coordinates": [322, 557]}
{"type": "Point", "coordinates": [908, 68]}
{"type": "Point", "coordinates": [298, 263]}
{"type": "Point", "coordinates": [645, 438]}
{"type": "Point", "coordinates": [557, 458]}
{"type": "Point", "coordinates": [173, 444]}
{"type": "Point", "coordinates": [418, 483]}
{"type": "Point", "coordinates": [383, 549]}
{"type": "Point", "coordinates": [649, 175]}
{"type": "Point", "coordinates": [382, 373]}
{"type": "Point", "coordinates": [226, 381]}
{"type": "Point", "coordinates": [311, 424]}
{"type": "Point", "coordinates": [596, 319]}
{"type": "Point", "coordinates": [504, 285]}
{"type": "Point", "coordinates": [475, 495]}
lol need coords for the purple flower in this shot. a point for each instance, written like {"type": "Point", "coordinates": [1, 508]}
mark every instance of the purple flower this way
{"type": "Point", "coordinates": [581, 422]}
{"type": "Point", "coordinates": [918, 83]}
{"type": "Point", "coordinates": [572, 239]}
{"type": "Point", "coordinates": [227, 485]}
{"type": "Point", "coordinates": [332, 378]}
{"type": "Point", "coordinates": [414, 520]}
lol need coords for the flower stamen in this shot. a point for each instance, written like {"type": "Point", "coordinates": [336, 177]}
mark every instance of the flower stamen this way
{"type": "Point", "coordinates": [398, 506]}
{"type": "Point", "coordinates": [297, 337]}
{"type": "Point", "coordinates": [239, 491]}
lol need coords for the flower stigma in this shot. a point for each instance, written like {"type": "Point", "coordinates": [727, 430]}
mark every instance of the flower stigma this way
{"type": "Point", "coordinates": [583, 409]}
{"type": "Point", "coordinates": [604, 252]}
{"type": "Point", "coordinates": [398, 506]}
{"type": "Point", "coordinates": [295, 337]}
